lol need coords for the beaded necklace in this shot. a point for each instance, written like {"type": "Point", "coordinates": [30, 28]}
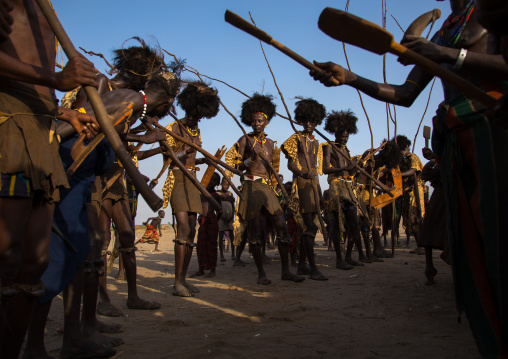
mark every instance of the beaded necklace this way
{"type": "Point", "coordinates": [192, 132]}
{"type": "Point", "coordinates": [460, 21]}
{"type": "Point", "coordinates": [308, 135]}
{"type": "Point", "coordinates": [143, 114]}
{"type": "Point", "coordinates": [263, 136]}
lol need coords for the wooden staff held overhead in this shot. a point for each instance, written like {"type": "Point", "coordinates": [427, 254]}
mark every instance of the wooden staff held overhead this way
{"type": "Point", "coordinates": [154, 201]}
{"type": "Point", "coordinates": [244, 25]}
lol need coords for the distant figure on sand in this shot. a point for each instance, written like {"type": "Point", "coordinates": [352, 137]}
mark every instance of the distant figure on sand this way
{"type": "Point", "coordinates": [153, 230]}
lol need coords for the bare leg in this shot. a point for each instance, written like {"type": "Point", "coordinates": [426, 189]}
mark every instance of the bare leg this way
{"type": "Point", "coordinates": [221, 246]}
{"type": "Point", "coordinates": [123, 222]}
{"type": "Point", "coordinates": [279, 223]}
{"type": "Point", "coordinates": [24, 258]}
{"type": "Point", "coordinates": [105, 306]}
{"type": "Point", "coordinates": [186, 231]}
{"type": "Point", "coordinates": [74, 341]}
{"type": "Point", "coordinates": [334, 236]}
{"type": "Point", "coordinates": [89, 322]}
{"type": "Point", "coordinates": [430, 270]}
{"type": "Point", "coordinates": [35, 347]}
{"type": "Point", "coordinates": [308, 243]}
{"type": "Point", "coordinates": [239, 250]}
{"type": "Point", "coordinates": [302, 258]}
{"type": "Point", "coordinates": [232, 239]}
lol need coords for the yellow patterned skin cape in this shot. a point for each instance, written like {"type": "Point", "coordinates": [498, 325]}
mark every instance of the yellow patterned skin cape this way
{"type": "Point", "coordinates": [170, 179]}
{"type": "Point", "coordinates": [233, 158]}
{"type": "Point", "coordinates": [410, 211]}
{"type": "Point", "coordinates": [290, 149]}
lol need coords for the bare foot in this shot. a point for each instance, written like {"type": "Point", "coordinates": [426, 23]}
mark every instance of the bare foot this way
{"type": "Point", "coordinates": [139, 303]}
{"type": "Point", "coordinates": [120, 275]}
{"type": "Point", "coordinates": [105, 340]}
{"type": "Point", "coordinates": [239, 263]}
{"type": "Point", "coordinates": [317, 275]}
{"type": "Point", "coordinates": [292, 277]}
{"type": "Point", "coordinates": [365, 260]}
{"type": "Point", "coordinates": [200, 272]}
{"type": "Point", "coordinates": [109, 310]}
{"type": "Point", "coordinates": [354, 263]}
{"type": "Point", "coordinates": [181, 291]}
{"type": "Point", "coordinates": [430, 274]}
{"type": "Point", "coordinates": [211, 274]}
{"type": "Point", "coordinates": [191, 288]}
{"type": "Point", "coordinates": [87, 350]}
{"type": "Point", "coordinates": [109, 328]}
{"type": "Point", "coordinates": [264, 281]}
{"type": "Point", "coordinates": [343, 265]}
{"type": "Point", "coordinates": [302, 270]}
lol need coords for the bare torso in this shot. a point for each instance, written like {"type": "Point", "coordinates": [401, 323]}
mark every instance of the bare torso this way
{"type": "Point", "coordinates": [258, 166]}
{"type": "Point", "coordinates": [31, 41]}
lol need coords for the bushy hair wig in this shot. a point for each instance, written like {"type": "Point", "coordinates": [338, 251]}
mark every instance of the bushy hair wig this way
{"type": "Point", "coordinates": [199, 100]}
{"type": "Point", "coordinates": [390, 154]}
{"type": "Point", "coordinates": [137, 65]}
{"type": "Point", "coordinates": [338, 122]}
{"type": "Point", "coordinates": [403, 142]}
{"type": "Point", "coordinates": [257, 103]}
{"type": "Point", "coordinates": [166, 80]}
{"type": "Point", "coordinates": [308, 109]}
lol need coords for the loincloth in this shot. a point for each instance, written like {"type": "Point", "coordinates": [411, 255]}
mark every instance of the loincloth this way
{"type": "Point", "coordinates": [258, 195]}
{"type": "Point", "coordinates": [28, 141]}
{"type": "Point", "coordinates": [362, 194]}
{"type": "Point", "coordinates": [295, 204]}
{"type": "Point", "coordinates": [306, 195]}
{"type": "Point", "coordinates": [340, 192]}
{"type": "Point", "coordinates": [185, 197]}
{"type": "Point", "coordinates": [118, 190]}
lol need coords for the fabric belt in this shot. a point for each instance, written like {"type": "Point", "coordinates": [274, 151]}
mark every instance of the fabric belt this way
{"type": "Point", "coordinates": [255, 178]}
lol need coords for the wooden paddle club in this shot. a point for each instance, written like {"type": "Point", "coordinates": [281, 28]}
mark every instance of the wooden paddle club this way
{"type": "Point", "coordinates": [244, 25]}
{"type": "Point", "coordinates": [154, 201]}
{"type": "Point", "coordinates": [353, 30]}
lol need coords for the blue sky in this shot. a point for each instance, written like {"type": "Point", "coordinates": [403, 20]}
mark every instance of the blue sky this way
{"type": "Point", "coordinates": [196, 31]}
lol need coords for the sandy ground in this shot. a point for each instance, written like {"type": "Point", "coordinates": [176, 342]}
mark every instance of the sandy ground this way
{"type": "Point", "coordinates": [381, 310]}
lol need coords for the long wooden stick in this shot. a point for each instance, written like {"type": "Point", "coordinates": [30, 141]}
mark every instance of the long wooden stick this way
{"type": "Point", "coordinates": [313, 183]}
{"type": "Point", "coordinates": [154, 201]}
{"type": "Point", "coordinates": [244, 25]}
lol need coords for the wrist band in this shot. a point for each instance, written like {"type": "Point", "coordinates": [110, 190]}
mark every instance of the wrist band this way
{"type": "Point", "coordinates": [460, 59]}
{"type": "Point", "coordinates": [247, 162]}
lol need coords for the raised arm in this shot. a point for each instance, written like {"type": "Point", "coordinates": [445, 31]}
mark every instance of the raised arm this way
{"type": "Point", "coordinates": [403, 95]}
